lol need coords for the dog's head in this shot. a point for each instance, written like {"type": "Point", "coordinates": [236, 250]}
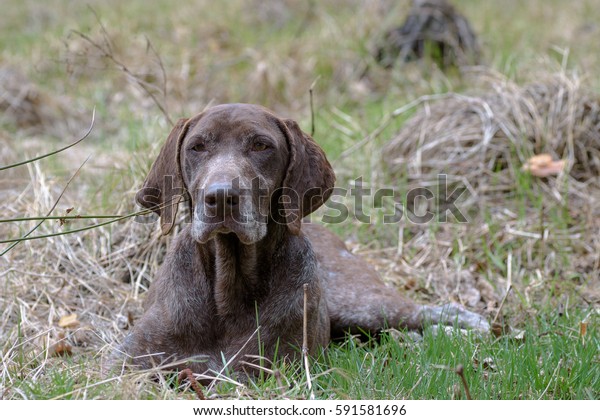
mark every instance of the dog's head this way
{"type": "Point", "coordinates": [240, 167]}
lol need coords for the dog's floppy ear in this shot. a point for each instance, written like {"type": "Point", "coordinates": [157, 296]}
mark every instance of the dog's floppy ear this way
{"type": "Point", "coordinates": [309, 180]}
{"type": "Point", "coordinates": [164, 188]}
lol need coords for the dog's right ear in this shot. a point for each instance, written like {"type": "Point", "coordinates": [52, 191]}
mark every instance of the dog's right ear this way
{"type": "Point", "coordinates": [164, 188]}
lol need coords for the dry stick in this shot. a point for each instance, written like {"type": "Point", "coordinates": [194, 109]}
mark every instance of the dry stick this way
{"type": "Point", "coordinates": [56, 151]}
{"type": "Point", "coordinates": [24, 237]}
{"type": "Point", "coordinates": [66, 232]}
{"type": "Point", "coordinates": [76, 217]}
{"type": "Point", "coordinates": [509, 277]}
{"type": "Point", "coordinates": [305, 342]}
{"type": "Point", "coordinates": [312, 109]}
{"type": "Point", "coordinates": [163, 72]}
{"type": "Point", "coordinates": [108, 53]}
{"type": "Point", "coordinates": [460, 372]}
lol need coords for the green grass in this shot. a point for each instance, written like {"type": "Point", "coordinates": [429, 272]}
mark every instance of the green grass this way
{"type": "Point", "coordinates": [549, 361]}
{"type": "Point", "coordinates": [552, 366]}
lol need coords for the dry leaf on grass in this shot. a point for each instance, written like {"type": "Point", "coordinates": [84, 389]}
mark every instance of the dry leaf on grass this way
{"type": "Point", "coordinates": [68, 321]}
{"type": "Point", "coordinates": [543, 166]}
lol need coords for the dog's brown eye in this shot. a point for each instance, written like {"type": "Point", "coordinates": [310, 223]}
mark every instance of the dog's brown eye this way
{"type": "Point", "coordinates": [200, 147]}
{"type": "Point", "coordinates": [259, 146]}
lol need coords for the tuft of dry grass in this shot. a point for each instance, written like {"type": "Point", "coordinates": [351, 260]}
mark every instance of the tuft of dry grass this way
{"type": "Point", "coordinates": [482, 140]}
{"type": "Point", "coordinates": [487, 137]}
{"type": "Point", "coordinates": [433, 29]}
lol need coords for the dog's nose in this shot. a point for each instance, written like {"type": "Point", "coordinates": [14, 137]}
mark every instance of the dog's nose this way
{"type": "Point", "coordinates": [221, 197]}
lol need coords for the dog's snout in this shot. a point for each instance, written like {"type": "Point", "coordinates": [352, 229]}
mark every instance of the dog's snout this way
{"type": "Point", "coordinates": [221, 196]}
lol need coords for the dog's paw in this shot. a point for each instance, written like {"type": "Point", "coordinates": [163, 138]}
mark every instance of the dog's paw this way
{"type": "Point", "coordinates": [455, 314]}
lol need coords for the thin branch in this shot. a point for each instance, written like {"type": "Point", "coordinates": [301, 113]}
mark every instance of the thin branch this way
{"type": "Point", "coordinates": [25, 237]}
{"type": "Point", "coordinates": [66, 232]}
{"type": "Point", "coordinates": [107, 52]}
{"type": "Point", "coordinates": [508, 288]}
{"type": "Point", "coordinates": [83, 217]}
{"type": "Point", "coordinates": [312, 108]}
{"type": "Point", "coordinates": [56, 151]}
{"type": "Point", "coordinates": [305, 343]}
{"type": "Point", "coordinates": [163, 71]}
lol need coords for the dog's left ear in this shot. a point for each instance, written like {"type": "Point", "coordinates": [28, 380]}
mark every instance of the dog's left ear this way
{"type": "Point", "coordinates": [309, 180]}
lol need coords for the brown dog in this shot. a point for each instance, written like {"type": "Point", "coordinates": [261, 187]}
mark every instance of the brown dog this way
{"type": "Point", "coordinates": [231, 286]}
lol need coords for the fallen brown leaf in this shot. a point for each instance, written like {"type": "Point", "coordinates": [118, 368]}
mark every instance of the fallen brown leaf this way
{"type": "Point", "coordinates": [543, 166]}
{"type": "Point", "coordinates": [68, 321]}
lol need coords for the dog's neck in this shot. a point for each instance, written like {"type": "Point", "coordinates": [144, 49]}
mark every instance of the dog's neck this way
{"type": "Point", "coordinates": [242, 271]}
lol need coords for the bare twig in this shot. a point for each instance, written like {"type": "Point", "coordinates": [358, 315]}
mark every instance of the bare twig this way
{"type": "Point", "coordinates": [163, 71]}
{"type": "Point", "coordinates": [76, 217]}
{"type": "Point", "coordinates": [107, 52]}
{"type": "Point", "coordinates": [305, 343]}
{"type": "Point", "coordinates": [56, 151]}
{"type": "Point", "coordinates": [66, 232]}
{"type": "Point", "coordinates": [508, 288]}
{"type": "Point", "coordinates": [312, 108]}
{"type": "Point", "coordinates": [25, 237]}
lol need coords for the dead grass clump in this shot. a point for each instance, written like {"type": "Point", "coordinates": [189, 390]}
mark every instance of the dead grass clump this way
{"type": "Point", "coordinates": [487, 138]}
{"type": "Point", "coordinates": [92, 279]}
{"type": "Point", "coordinates": [484, 140]}
{"type": "Point", "coordinates": [433, 28]}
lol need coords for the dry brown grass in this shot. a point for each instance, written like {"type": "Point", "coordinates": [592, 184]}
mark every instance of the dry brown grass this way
{"type": "Point", "coordinates": [483, 140]}
{"type": "Point", "coordinates": [433, 29]}
{"type": "Point", "coordinates": [492, 134]}
{"type": "Point", "coordinates": [87, 274]}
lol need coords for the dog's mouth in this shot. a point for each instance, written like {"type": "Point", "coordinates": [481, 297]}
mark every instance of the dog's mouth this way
{"type": "Point", "coordinates": [248, 230]}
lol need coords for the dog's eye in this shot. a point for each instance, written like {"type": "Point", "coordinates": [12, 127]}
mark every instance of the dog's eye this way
{"type": "Point", "coordinates": [259, 146]}
{"type": "Point", "coordinates": [200, 147]}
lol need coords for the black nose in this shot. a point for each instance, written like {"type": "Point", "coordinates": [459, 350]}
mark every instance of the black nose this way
{"type": "Point", "coordinates": [221, 197]}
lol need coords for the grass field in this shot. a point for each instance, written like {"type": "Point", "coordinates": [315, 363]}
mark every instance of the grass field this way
{"type": "Point", "coordinates": [138, 66]}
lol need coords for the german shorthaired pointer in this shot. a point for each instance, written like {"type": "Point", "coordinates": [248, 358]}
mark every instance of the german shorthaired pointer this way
{"type": "Point", "coordinates": [231, 285]}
